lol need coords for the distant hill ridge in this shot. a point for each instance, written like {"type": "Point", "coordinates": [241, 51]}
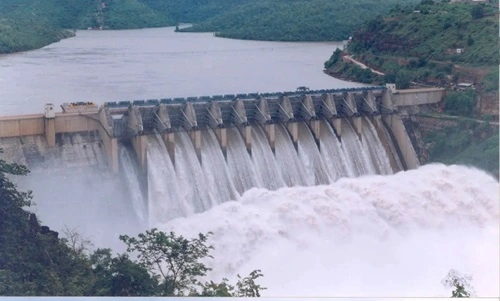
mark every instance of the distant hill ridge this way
{"type": "Point", "coordinates": [29, 24]}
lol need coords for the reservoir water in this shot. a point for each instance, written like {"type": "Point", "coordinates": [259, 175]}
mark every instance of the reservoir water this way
{"type": "Point", "coordinates": [104, 66]}
{"type": "Point", "coordinates": [317, 220]}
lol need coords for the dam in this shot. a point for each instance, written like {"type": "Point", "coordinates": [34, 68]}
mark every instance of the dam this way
{"type": "Point", "coordinates": [175, 157]}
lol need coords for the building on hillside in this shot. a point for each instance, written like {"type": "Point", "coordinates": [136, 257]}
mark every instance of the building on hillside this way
{"type": "Point", "coordinates": [465, 86]}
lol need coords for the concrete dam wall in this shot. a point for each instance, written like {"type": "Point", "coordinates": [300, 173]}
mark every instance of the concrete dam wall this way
{"type": "Point", "coordinates": [173, 157]}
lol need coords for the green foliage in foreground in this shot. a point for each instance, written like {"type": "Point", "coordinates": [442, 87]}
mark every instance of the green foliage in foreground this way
{"type": "Point", "coordinates": [294, 20]}
{"type": "Point", "coordinates": [469, 143]}
{"type": "Point", "coordinates": [34, 261]}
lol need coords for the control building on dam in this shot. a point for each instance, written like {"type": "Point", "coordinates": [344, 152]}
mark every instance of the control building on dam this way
{"type": "Point", "coordinates": [99, 132]}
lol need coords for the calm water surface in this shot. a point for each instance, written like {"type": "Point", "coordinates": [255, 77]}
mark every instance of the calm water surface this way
{"type": "Point", "coordinates": [104, 66]}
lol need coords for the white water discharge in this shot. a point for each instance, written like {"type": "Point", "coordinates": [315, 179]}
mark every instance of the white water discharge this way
{"type": "Point", "coordinates": [164, 199]}
{"type": "Point", "coordinates": [130, 173]}
{"type": "Point", "coordinates": [263, 160]}
{"type": "Point", "coordinates": [355, 153]}
{"type": "Point", "coordinates": [192, 184]}
{"type": "Point", "coordinates": [372, 143]}
{"type": "Point", "coordinates": [291, 167]}
{"type": "Point", "coordinates": [309, 154]}
{"type": "Point", "coordinates": [239, 162]}
{"type": "Point", "coordinates": [215, 169]}
{"type": "Point", "coordinates": [394, 235]}
{"type": "Point", "coordinates": [332, 154]}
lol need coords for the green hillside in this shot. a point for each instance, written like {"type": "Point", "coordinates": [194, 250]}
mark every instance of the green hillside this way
{"type": "Point", "coordinates": [294, 20]}
{"type": "Point", "coordinates": [420, 44]}
{"type": "Point", "coordinates": [30, 24]}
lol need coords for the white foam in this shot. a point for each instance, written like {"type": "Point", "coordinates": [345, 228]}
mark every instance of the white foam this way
{"type": "Point", "coordinates": [392, 235]}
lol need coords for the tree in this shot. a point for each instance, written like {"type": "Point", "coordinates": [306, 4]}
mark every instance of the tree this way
{"type": "Point", "coordinates": [175, 263]}
{"type": "Point", "coordinates": [173, 260]}
{"type": "Point", "coordinates": [337, 54]}
{"type": "Point", "coordinates": [403, 80]}
{"type": "Point", "coordinates": [33, 260]}
{"type": "Point", "coordinates": [245, 287]}
{"type": "Point", "coordinates": [470, 41]}
{"type": "Point", "coordinates": [10, 196]}
{"type": "Point", "coordinates": [120, 276]}
{"type": "Point", "coordinates": [460, 283]}
{"type": "Point", "coordinates": [460, 103]}
{"type": "Point", "coordinates": [477, 12]}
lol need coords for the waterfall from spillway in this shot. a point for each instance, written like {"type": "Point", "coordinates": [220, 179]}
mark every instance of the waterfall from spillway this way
{"type": "Point", "coordinates": [130, 172]}
{"type": "Point", "coordinates": [356, 154]}
{"type": "Point", "coordinates": [190, 177]}
{"type": "Point", "coordinates": [372, 143]}
{"type": "Point", "coordinates": [165, 201]}
{"type": "Point", "coordinates": [240, 165]}
{"type": "Point", "coordinates": [333, 155]}
{"type": "Point", "coordinates": [292, 168]}
{"type": "Point", "coordinates": [309, 154]}
{"type": "Point", "coordinates": [215, 169]}
{"type": "Point", "coordinates": [263, 160]}
{"type": "Point", "coordinates": [195, 184]}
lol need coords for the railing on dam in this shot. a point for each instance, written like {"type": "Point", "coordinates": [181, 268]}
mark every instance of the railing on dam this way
{"type": "Point", "coordinates": [226, 97]}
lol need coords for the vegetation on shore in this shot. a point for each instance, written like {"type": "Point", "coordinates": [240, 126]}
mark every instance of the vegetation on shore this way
{"type": "Point", "coordinates": [30, 24]}
{"type": "Point", "coordinates": [295, 20]}
{"type": "Point", "coordinates": [435, 42]}
{"type": "Point", "coordinates": [469, 143]}
{"type": "Point", "coordinates": [34, 261]}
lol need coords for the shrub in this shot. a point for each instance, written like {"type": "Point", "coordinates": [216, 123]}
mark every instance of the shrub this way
{"type": "Point", "coordinates": [460, 103]}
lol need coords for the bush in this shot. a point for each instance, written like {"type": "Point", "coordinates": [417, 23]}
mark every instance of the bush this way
{"type": "Point", "coordinates": [460, 103]}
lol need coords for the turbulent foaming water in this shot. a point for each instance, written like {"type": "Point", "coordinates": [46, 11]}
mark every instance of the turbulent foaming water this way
{"type": "Point", "coordinates": [73, 188]}
{"type": "Point", "coordinates": [394, 235]}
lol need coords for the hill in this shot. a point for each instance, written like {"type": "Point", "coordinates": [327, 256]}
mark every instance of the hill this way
{"type": "Point", "coordinates": [438, 43]}
{"type": "Point", "coordinates": [294, 20]}
{"type": "Point", "coordinates": [30, 24]}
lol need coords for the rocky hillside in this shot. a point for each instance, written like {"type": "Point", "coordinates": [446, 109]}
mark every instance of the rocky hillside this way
{"type": "Point", "coordinates": [436, 43]}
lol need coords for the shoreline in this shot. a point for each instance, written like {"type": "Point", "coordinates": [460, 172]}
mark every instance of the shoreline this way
{"type": "Point", "coordinates": [63, 34]}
